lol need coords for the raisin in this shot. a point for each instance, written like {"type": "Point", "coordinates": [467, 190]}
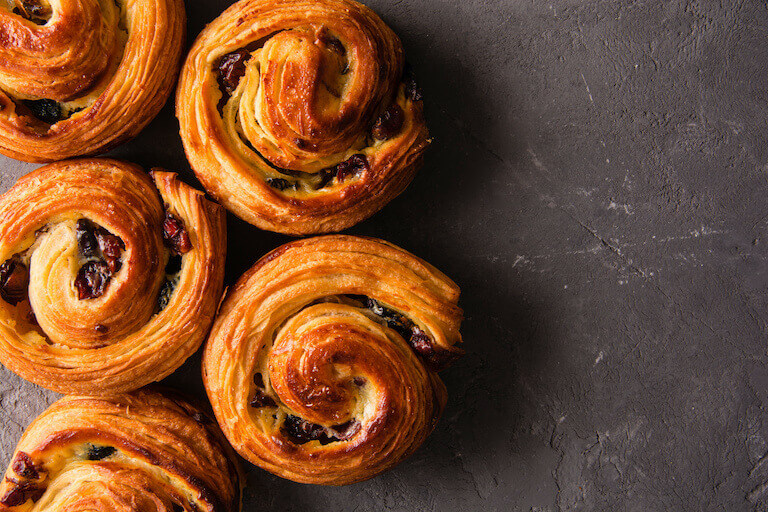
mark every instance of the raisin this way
{"type": "Point", "coordinates": [94, 241]}
{"type": "Point", "coordinates": [174, 235]}
{"type": "Point", "coordinates": [20, 493]}
{"type": "Point", "coordinates": [394, 320]}
{"type": "Point", "coordinates": [35, 493]}
{"type": "Point", "coordinates": [359, 381]}
{"type": "Point", "coordinates": [101, 328]}
{"type": "Point", "coordinates": [374, 306]}
{"type": "Point", "coordinates": [14, 497]}
{"type": "Point", "coordinates": [389, 123]}
{"type": "Point", "coordinates": [258, 379]}
{"type": "Point", "coordinates": [99, 452]}
{"type": "Point", "coordinates": [434, 357]}
{"type": "Point", "coordinates": [301, 431]}
{"type": "Point", "coordinates": [173, 265]}
{"type": "Point", "coordinates": [421, 342]}
{"type": "Point", "coordinates": [86, 239]}
{"type": "Point", "coordinates": [261, 399]}
{"type": "Point", "coordinates": [231, 69]}
{"type": "Point", "coordinates": [111, 247]}
{"type": "Point", "coordinates": [23, 466]}
{"type": "Point", "coordinates": [92, 280]}
{"type": "Point", "coordinates": [280, 184]}
{"type": "Point", "coordinates": [165, 294]}
{"type": "Point", "coordinates": [353, 165]}
{"type": "Point", "coordinates": [333, 43]}
{"type": "Point", "coordinates": [48, 111]}
{"type": "Point", "coordinates": [14, 281]}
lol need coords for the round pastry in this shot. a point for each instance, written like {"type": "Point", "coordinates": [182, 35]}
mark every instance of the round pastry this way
{"type": "Point", "coordinates": [78, 77]}
{"type": "Point", "coordinates": [109, 279]}
{"type": "Point", "coordinates": [139, 452]}
{"type": "Point", "coordinates": [322, 364]}
{"type": "Point", "coordinates": [298, 115]}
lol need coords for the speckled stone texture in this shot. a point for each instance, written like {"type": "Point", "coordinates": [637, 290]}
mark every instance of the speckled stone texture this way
{"type": "Point", "coordinates": [598, 186]}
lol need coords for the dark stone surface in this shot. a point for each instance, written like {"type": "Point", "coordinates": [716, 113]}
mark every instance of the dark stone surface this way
{"type": "Point", "coordinates": [598, 186]}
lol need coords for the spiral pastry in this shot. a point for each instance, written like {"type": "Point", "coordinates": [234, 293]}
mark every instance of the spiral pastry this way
{"type": "Point", "coordinates": [322, 364]}
{"type": "Point", "coordinates": [78, 77]}
{"type": "Point", "coordinates": [109, 279]}
{"type": "Point", "coordinates": [297, 115]}
{"type": "Point", "coordinates": [139, 452]}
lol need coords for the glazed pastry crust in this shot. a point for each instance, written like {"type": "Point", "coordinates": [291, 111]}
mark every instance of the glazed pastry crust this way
{"type": "Point", "coordinates": [316, 78]}
{"type": "Point", "coordinates": [143, 451]}
{"type": "Point", "coordinates": [296, 329]}
{"type": "Point", "coordinates": [118, 341]}
{"type": "Point", "coordinates": [111, 64]}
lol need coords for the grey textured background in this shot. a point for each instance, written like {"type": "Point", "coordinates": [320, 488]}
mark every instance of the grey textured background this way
{"type": "Point", "coordinates": [598, 187]}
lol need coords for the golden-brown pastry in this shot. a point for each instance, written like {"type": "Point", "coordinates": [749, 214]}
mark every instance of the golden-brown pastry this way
{"type": "Point", "coordinates": [109, 278]}
{"type": "Point", "coordinates": [78, 77]}
{"type": "Point", "coordinates": [322, 364]}
{"type": "Point", "coordinates": [297, 115]}
{"type": "Point", "coordinates": [138, 452]}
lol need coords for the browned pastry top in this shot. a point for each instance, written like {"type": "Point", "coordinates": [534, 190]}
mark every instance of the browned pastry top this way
{"type": "Point", "coordinates": [299, 115]}
{"type": "Point", "coordinates": [322, 364]}
{"type": "Point", "coordinates": [80, 76]}
{"type": "Point", "coordinates": [109, 278]}
{"type": "Point", "coordinates": [138, 452]}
